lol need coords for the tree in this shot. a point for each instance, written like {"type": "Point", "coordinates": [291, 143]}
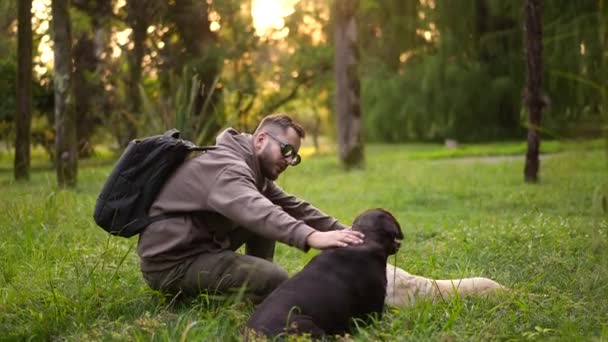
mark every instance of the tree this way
{"type": "Point", "coordinates": [534, 80]}
{"type": "Point", "coordinates": [24, 90]}
{"type": "Point", "coordinates": [89, 54]}
{"type": "Point", "coordinates": [66, 156]}
{"type": "Point", "coordinates": [347, 96]}
{"type": "Point", "coordinates": [139, 16]}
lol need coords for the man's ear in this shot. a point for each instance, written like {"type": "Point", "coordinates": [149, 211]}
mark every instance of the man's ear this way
{"type": "Point", "coordinates": [258, 141]}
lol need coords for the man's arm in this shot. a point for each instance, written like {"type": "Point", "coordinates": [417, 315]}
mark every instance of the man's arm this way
{"type": "Point", "coordinates": [235, 196]}
{"type": "Point", "coordinates": [302, 210]}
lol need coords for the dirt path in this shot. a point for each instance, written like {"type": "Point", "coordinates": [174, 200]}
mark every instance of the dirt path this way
{"type": "Point", "coordinates": [493, 159]}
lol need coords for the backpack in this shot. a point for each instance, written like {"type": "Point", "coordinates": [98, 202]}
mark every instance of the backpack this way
{"type": "Point", "coordinates": [137, 178]}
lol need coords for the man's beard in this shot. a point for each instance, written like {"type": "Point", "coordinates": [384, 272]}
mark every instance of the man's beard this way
{"type": "Point", "coordinates": [267, 171]}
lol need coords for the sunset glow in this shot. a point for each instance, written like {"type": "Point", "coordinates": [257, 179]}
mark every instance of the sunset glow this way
{"type": "Point", "coordinates": [269, 17]}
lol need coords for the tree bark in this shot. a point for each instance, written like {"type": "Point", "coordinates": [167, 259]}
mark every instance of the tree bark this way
{"type": "Point", "coordinates": [534, 80]}
{"type": "Point", "coordinates": [65, 121]}
{"type": "Point", "coordinates": [23, 120]}
{"type": "Point", "coordinates": [348, 88]}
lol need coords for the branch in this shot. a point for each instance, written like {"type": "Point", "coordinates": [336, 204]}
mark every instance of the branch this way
{"type": "Point", "coordinates": [271, 108]}
{"type": "Point", "coordinates": [292, 94]}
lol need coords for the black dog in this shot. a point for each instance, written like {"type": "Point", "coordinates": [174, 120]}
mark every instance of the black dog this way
{"type": "Point", "coordinates": [337, 285]}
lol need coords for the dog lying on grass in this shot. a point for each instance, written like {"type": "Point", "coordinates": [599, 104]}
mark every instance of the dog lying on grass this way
{"type": "Point", "coordinates": [336, 286]}
{"type": "Point", "coordinates": [404, 289]}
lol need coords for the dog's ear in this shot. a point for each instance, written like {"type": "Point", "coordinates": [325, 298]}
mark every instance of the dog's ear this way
{"type": "Point", "coordinates": [391, 230]}
{"type": "Point", "coordinates": [390, 223]}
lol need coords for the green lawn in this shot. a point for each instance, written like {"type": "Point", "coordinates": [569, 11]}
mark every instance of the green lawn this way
{"type": "Point", "coordinates": [61, 277]}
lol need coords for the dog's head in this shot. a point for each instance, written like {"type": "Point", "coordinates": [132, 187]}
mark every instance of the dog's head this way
{"type": "Point", "coordinates": [380, 226]}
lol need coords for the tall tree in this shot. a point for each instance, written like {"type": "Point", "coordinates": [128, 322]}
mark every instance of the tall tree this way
{"type": "Point", "coordinates": [534, 80]}
{"type": "Point", "coordinates": [89, 51]}
{"type": "Point", "coordinates": [66, 156]}
{"type": "Point", "coordinates": [138, 17]}
{"type": "Point", "coordinates": [348, 88]}
{"type": "Point", "coordinates": [24, 90]}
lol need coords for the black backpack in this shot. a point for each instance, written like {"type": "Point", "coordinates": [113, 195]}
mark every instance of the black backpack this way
{"type": "Point", "coordinates": [137, 178]}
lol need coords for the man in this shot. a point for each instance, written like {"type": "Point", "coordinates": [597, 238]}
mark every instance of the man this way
{"type": "Point", "coordinates": [226, 198]}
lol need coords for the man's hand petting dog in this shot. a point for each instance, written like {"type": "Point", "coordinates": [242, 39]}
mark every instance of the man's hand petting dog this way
{"type": "Point", "coordinates": [336, 238]}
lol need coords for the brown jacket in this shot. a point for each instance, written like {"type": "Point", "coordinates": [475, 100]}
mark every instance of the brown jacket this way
{"type": "Point", "coordinates": [216, 193]}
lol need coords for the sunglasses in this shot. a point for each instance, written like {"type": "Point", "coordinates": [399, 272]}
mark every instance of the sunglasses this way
{"type": "Point", "coordinates": [287, 150]}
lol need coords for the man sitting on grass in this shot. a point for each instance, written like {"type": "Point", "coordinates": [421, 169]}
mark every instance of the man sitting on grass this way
{"type": "Point", "coordinates": [227, 197]}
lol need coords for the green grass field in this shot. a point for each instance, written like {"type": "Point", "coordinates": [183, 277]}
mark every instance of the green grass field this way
{"type": "Point", "coordinates": [62, 278]}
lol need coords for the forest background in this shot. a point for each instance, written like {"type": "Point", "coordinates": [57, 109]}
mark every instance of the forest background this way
{"type": "Point", "coordinates": [428, 71]}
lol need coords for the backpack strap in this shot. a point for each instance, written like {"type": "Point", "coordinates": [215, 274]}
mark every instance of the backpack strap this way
{"type": "Point", "coordinates": [174, 133]}
{"type": "Point", "coordinates": [202, 148]}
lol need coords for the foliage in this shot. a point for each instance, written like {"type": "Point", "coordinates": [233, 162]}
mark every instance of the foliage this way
{"type": "Point", "coordinates": [64, 278]}
{"type": "Point", "coordinates": [176, 109]}
{"type": "Point", "coordinates": [429, 104]}
{"type": "Point", "coordinates": [442, 85]}
{"type": "Point", "coordinates": [8, 107]}
{"type": "Point", "coordinates": [436, 70]}
{"type": "Point", "coordinates": [455, 78]}
{"type": "Point", "coordinates": [262, 75]}
{"type": "Point", "coordinates": [42, 104]}
{"type": "Point", "coordinates": [574, 47]}
{"type": "Point", "coordinates": [431, 70]}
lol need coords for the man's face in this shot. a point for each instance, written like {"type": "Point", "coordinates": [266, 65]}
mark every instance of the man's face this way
{"type": "Point", "coordinates": [271, 159]}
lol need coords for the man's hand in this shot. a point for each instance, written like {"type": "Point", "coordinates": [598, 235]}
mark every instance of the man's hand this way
{"type": "Point", "coordinates": [335, 238]}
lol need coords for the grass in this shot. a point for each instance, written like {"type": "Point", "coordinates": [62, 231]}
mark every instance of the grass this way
{"type": "Point", "coordinates": [62, 278]}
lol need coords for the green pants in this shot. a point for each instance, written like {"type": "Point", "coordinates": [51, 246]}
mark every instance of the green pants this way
{"type": "Point", "coordinates": [226, 271]}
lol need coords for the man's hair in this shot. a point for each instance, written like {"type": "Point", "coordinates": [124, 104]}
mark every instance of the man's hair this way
{"type": "Point", "coordinates": [282, 121]}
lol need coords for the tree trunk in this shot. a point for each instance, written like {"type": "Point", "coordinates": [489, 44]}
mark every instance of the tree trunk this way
{"type": "Point", "coordinates": [138, 17]}
{"type": "Point", "coordinates": [65, 121]}
{"type": "Point", "coordinates": [86, 89]}
{"type": "Point", "coordinates": [347, 97]}
{"type": "Point", "coordinates": [23, 120]}
{"type": "Point", "coordinates": [88, 54]}
{"type": "Point", "coordinates": [534, 80]}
